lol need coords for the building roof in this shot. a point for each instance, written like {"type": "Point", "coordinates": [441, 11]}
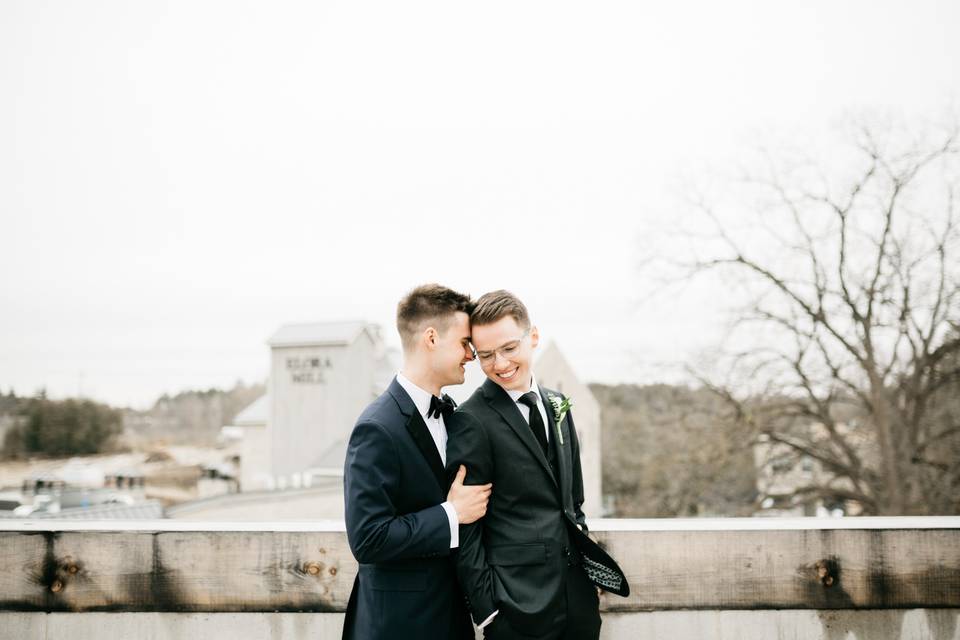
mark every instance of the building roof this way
{"type": "Point", "coordinates": [555, 372]}
{"type": "Point", "coordinates": [258, 502]}
{"type": "Point", "coordinates": [148, 510]}
{"type": "Point", "coordinates": [320, 333]}
{"type": "Point", "coordinates": [331, 460]}
{"type": "Point", "coordinates": [255, 414]}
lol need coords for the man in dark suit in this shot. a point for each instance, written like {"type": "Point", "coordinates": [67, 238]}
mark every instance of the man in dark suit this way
{"type": "Point", "coordinates": [402, 522]}
{"type": "Point", "coordinates": [528, 568]}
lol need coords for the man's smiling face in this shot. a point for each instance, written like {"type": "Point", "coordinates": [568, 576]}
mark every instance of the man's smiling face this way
{"type": "Point", "coordinates": [452, 350]}
{"type": "Point", "coordinates": [505, 350]}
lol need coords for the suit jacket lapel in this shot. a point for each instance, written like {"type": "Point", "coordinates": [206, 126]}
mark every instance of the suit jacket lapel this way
{"type": "Point", "coordinates": [554, 441]}
{"type": "Point", "coordinates": [424, 441]}
{"type": "Point", "coordinates": [418, 431]}
{"type": "Point", "coordinates": [501, 402]}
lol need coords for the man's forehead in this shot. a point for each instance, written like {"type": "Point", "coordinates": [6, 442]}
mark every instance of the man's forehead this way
{"type": "Point", "coordinates": [461, 324]}
{"type": "Point", "coordinates": [493, 335]}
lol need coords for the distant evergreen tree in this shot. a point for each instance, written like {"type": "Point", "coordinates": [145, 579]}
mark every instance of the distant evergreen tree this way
{"type": "Point", "coordinates": [8, 403]}
{"type": "Point", "coordinates": [62, 427]}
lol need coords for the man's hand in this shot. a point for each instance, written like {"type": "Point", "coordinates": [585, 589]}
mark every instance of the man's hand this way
{"type": "Point", "coordinates": [470, 501]}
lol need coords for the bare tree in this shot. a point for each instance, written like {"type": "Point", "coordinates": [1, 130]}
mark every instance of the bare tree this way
{"type": "Point", "coordinates": [846, 343]}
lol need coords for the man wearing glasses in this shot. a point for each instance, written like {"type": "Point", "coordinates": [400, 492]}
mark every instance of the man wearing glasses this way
{"type": "Point", "coordinates": [527, 568]}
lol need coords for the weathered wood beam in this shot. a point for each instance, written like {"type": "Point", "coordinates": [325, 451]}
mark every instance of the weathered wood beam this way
{"type": "Point", "coordinates": [176, 566]}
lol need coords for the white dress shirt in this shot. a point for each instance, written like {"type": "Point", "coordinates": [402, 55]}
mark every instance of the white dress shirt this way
{"type": "Point", "coordinates": [438, 431]}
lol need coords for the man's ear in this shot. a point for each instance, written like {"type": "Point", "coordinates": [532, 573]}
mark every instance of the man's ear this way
{"type": "Point", "coordinates": [534, 337]}
{"type": "Point", "coordinates": [430, 337]}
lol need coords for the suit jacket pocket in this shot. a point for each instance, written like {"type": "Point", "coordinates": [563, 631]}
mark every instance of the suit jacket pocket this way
{"type": "Point", "coordinates": [382, 579]}
{"type": "Point", "coordinates": [506, 555]}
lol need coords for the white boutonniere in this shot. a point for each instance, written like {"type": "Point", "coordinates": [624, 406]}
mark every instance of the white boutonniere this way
{"type": "Point", "coordinates": [561, 406]}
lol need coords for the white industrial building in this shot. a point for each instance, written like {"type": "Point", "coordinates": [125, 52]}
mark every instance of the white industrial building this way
{"type": "Point", "coordinates": [322, 375]}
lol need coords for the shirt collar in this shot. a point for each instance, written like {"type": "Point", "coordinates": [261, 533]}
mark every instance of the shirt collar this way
{"type": "Point", "coordinates": [516, 393]}
{"type": "Point", "coordinates": [420, 397]}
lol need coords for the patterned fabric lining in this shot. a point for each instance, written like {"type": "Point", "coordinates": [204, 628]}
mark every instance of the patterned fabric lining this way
{"type": "Point", "coordinates": [601, 575]}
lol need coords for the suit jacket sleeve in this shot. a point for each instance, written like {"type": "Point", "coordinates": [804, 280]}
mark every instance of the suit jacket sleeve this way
{"type": "Point", "coordinates": [577, 475]}
{"type": "Point", "coordinates": [469, 445]}
{"type": "Point", "coordinates": [376, 530]}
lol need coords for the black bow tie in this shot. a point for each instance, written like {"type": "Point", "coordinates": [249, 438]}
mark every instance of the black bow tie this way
{"type": "Point", "coordinates": [441, 406]}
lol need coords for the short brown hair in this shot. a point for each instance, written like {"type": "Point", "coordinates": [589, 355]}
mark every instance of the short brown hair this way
{"type": "Point", "coordinates": [428, 303]}
{"type": "Point", "coordinates": [499, 304]}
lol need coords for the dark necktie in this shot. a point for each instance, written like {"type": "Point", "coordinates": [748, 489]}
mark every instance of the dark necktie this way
{"type": "Point", "coordinates": [536, 422]}
{"type": "Point", "coordinates": [441, 406]}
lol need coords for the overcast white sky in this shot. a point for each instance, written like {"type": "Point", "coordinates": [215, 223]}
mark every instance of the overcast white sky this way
{"type": "Point", "coordinates": [177, 179]}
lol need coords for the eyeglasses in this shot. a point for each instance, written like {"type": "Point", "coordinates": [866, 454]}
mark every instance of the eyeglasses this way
{"type": "Point", "coordinates": [506, 351]}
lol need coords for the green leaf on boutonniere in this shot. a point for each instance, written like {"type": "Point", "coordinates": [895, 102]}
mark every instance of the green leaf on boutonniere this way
{"type": "Point", "coordinates": [561, 406]}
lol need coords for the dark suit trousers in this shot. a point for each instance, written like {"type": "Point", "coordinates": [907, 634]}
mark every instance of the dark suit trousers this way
{"type": "Point", "coordinates": [583, 614]}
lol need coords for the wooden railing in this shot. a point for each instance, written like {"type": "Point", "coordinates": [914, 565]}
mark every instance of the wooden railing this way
{"type": "Point", "coordinates": [168, 566]}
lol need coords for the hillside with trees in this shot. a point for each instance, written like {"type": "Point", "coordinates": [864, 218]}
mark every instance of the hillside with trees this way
{"type": "Point", "coordinates": [671, 451]}
{"type": "Point", "coordinates": [42, 426]}
{"type": "Point", "coordinates": [190, 417]}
